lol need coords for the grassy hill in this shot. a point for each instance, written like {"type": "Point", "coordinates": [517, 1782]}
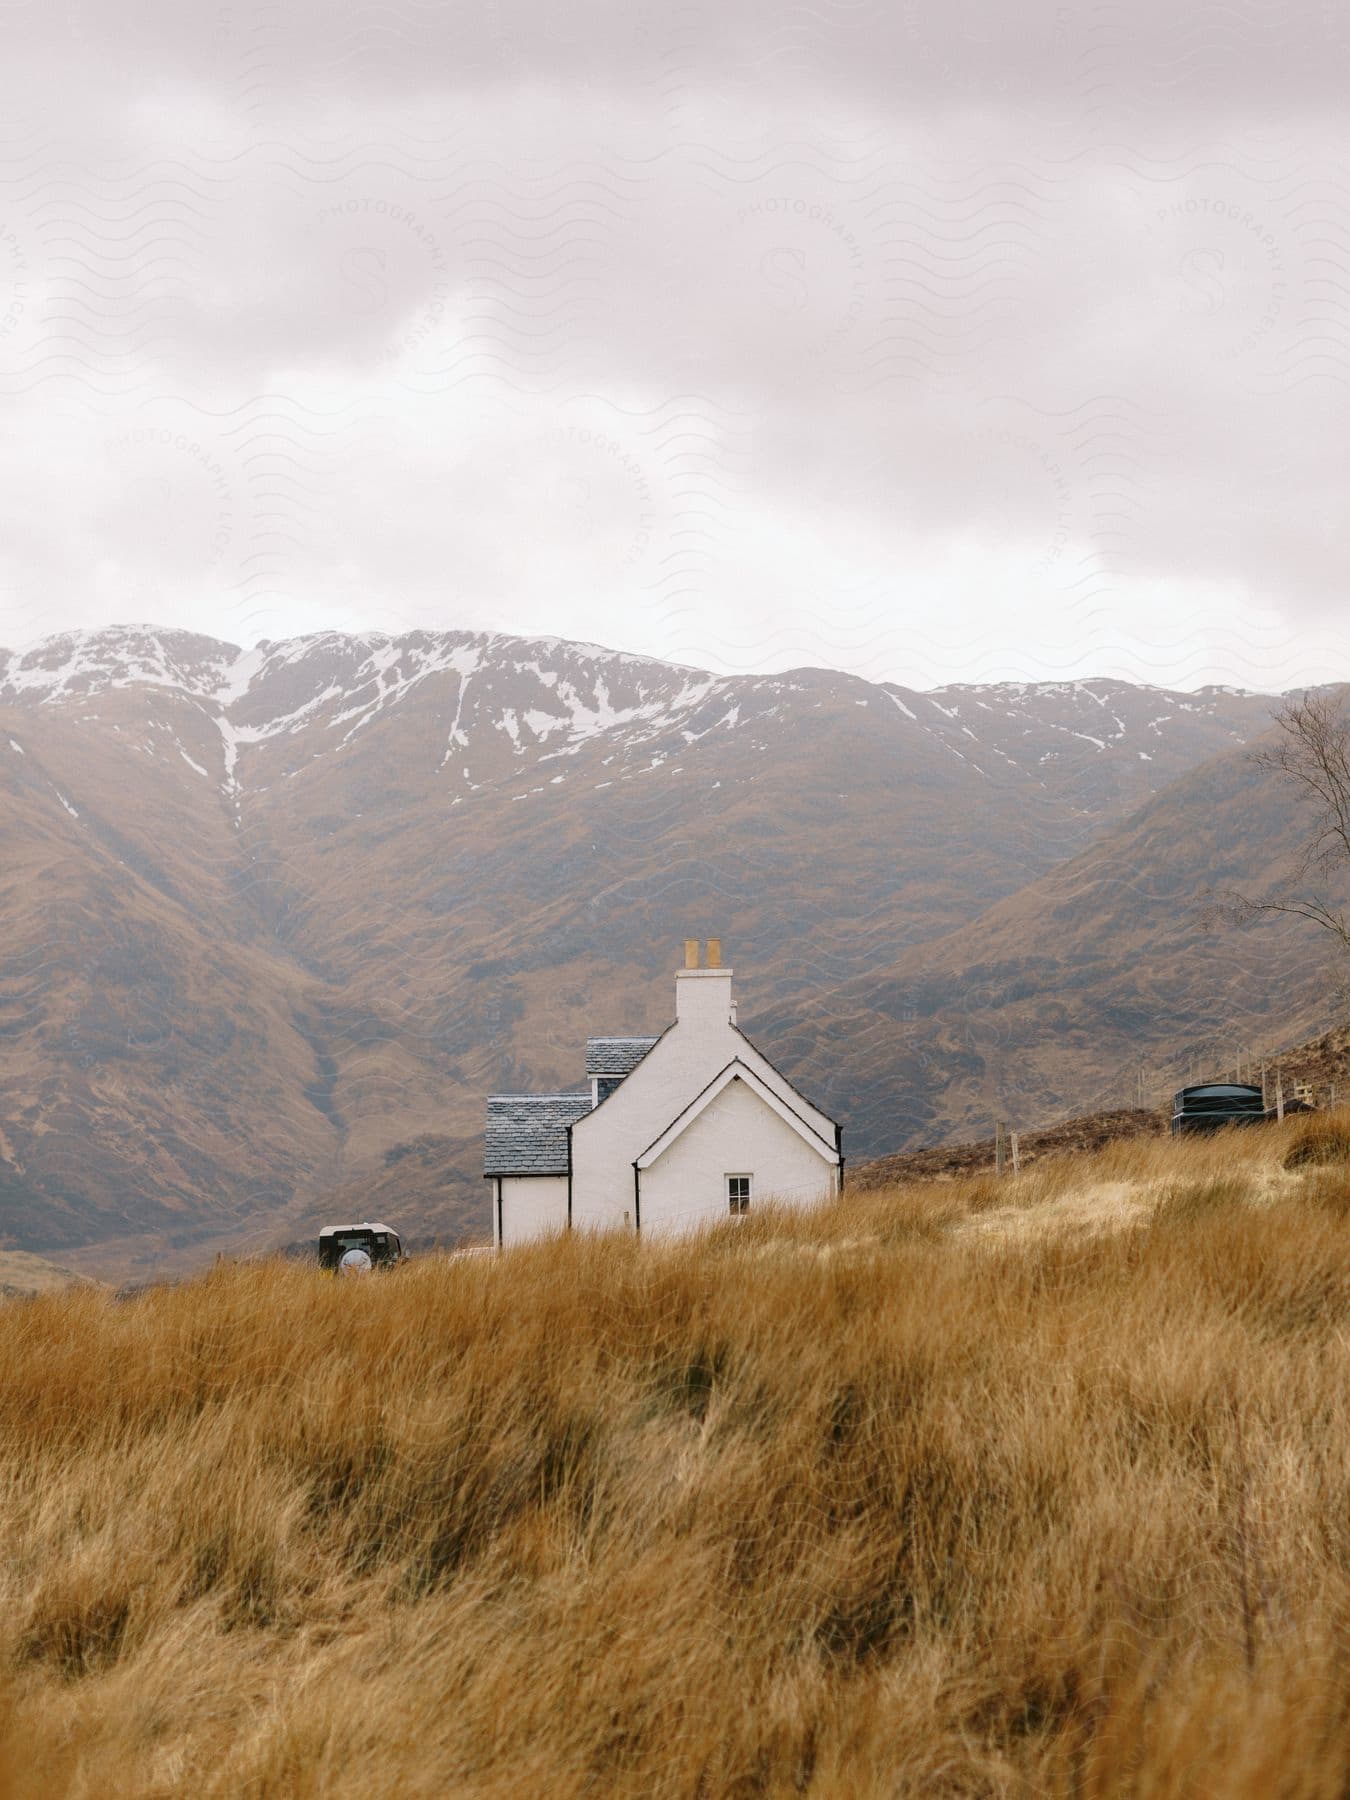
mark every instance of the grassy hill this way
{"type": "Point", "coordinates": [964, 1487]}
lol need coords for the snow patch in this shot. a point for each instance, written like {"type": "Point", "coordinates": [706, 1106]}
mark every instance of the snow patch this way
{"type": "Point", "coordinates": [465, 662]}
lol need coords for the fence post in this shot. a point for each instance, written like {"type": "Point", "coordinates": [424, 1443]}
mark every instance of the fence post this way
{"type": "Point", "coordinates": [1013, 1141]}
{"type": "Point", "coordinates": [1279, 1093]}
{"type": "Point", "coordinates": [998, 1148]}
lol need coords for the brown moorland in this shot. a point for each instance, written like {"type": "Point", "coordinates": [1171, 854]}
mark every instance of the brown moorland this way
{"type": "Point", "coordinates": [1091, 1131]}
{"type": "Point", "coordinates": [1032, 1486]}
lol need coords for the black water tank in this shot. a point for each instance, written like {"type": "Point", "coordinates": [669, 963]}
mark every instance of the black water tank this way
{"type": "Point", "coordinates": [1212, 1104]}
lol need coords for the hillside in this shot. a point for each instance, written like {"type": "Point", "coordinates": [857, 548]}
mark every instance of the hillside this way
{"type": "Point", "coordinates": [945, 1162]}
{"type": "Point", "coordinates": [764, 1513]}
{"type": "Point", "coordinates": [272, 914]}
{"type": "Point", "coordinates": [22, 1273]}
{"type": "Point", "coordinates": [1106, 970]}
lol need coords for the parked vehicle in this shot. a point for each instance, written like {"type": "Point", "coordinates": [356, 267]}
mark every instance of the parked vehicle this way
{"type": "Point", "coordinates": [1210, 1105]}
{"type": "Point", "coordinates": [357, 1249]}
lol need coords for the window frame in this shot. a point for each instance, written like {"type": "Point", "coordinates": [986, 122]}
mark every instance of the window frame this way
{"type": "Point", "coordinates": [739, 1211]}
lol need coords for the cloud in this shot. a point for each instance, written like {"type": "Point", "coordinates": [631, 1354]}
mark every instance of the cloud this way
{"type": "Point", "coordinates": [928, 342]}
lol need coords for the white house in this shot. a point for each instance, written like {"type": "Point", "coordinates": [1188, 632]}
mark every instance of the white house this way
{"type": "Point", "coordinates": [673, 1132]}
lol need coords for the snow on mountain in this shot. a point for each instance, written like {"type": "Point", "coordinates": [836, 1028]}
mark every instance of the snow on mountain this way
{"type": "Point", "coordinates": [1048, 728]}
{"type": "Point", "coordinates": [526, 693]}
{"type": "Point", "coordinates": [79, 664]}
{"type": "Point", "coordinates": [497, 703]}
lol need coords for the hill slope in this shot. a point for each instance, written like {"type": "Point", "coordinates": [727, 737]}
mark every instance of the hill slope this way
{"type": "Point", "coordinates": [1106, 972]}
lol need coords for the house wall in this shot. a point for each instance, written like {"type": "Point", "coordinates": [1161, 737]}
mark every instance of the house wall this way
{"type": "Point", "coordinates": [738, 1133]}
{"type": "Point", "coordinates": [674, 1071]}
{"type": "Point", "coordinates": [533, 1206]}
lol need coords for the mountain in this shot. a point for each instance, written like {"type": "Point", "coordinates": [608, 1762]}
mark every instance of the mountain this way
{"type": "Point", "coordinates": [1108, 981]}
{"type": "Point", "coordinates": [272, 914]}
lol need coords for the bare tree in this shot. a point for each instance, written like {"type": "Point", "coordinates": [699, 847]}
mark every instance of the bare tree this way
{"type": "Point", "coordinates": [1313, 755]}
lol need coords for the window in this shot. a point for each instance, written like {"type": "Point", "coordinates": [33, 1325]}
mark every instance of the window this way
{"type": "Point", "coordinates": [738, 1193]}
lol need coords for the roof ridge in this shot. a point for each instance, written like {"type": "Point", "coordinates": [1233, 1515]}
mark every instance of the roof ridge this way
{"type": "Point", "coordinates": [565, 1094]}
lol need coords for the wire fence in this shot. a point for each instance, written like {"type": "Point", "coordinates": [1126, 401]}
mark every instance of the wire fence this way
{"type": "Point", "coordinates": [1293, 1076]}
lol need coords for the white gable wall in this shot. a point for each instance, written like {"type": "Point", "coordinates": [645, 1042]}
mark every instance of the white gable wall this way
{"type": "Point", "coordinates": [533, 1206]}
{"type": "Point", "coordinates": [672, 1074]}
{"type": "Point", "coordinates": [737, 1133]}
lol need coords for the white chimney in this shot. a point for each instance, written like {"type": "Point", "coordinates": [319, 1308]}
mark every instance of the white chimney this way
{"type": "Point", "coordinates": [703, 996]}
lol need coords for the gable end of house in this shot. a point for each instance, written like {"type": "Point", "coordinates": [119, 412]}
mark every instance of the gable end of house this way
{"type": "Point", "coordinates": [736, 1070]}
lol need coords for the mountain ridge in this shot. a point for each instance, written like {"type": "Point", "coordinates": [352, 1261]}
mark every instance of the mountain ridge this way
{"type": "Point", "coordinates": [274, 912]}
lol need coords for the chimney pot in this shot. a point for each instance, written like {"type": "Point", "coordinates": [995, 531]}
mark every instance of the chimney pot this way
{"type": "Point", "coordinates": [691, 953]}
{"type": "Point", "coordinates": [714, 953]}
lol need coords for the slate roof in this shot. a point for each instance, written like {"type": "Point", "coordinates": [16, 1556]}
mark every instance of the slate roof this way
{"type": "Point", "coordinates": [615, 1055]}
{"type": "Point", "coordinates": [527, 1133]}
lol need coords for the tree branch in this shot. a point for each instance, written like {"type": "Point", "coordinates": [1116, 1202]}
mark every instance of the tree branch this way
{"type": "Point", "coordinates": [1313, 757]}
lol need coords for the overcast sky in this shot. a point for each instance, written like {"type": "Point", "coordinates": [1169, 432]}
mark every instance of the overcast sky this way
{"type": "Point", "coordinates": [934, 341]}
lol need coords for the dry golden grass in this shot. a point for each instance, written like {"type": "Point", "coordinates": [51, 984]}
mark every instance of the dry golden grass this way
{"type": "Point", "coordinates": [873, 1502]}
